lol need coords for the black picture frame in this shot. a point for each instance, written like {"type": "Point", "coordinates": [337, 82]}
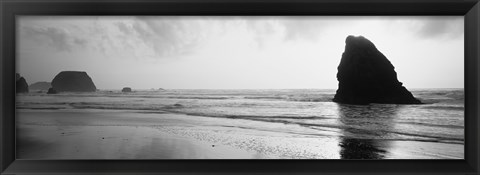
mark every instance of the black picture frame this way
{"type": "Point", "coordinates": [9, 9]}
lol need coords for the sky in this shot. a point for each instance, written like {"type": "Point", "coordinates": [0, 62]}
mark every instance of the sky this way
{"type": "Point", "coordinates": [235, 52]}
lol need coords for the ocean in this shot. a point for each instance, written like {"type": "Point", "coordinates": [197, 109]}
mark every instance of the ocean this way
{"type": "Point", "coordinates": [263, 120]}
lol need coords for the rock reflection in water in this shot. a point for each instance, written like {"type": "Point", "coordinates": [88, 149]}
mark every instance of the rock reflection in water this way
{"type": "Point", "coordinates": [364, 128]}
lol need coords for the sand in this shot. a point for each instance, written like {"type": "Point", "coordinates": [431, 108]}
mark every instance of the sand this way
{"type": "Point", "coordinates": [122, 134]}
{"type": "Point", "coordinates": [70, 135]}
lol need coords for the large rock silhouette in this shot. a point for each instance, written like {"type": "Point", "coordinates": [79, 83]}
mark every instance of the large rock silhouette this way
{"type": "Point", "coordinates": [73, 81]}
{"type": "Point", "coordinates": [40, 86]}
{"type": "Point", "coordinates": [21, 85]}
{"type": "Point", "coordinates": [366, 76]}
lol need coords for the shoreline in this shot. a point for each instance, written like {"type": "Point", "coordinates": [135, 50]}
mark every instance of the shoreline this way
{"type": "Point", "coordinates": [110, 134]}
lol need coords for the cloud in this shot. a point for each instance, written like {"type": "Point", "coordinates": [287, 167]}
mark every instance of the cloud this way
{"type": "Point", "coordinates": [150, 38]}
{"type": "Point", "coordinates": [304, 28]}
{"type": "Point", "coordinates": [124, 28]}
{"type": "Point", "coordinates": [301, 28]}
{"type": "Point", "coordinates": [58, 38]}
{"type": "Point", "coordinates": [157, 37]}
{"type": "Point", "coordinates": [165, 36]}
{"type": "Point", "coordinates": [446, 27]}
{"type": "Point", "coordinates": [291, 28]}
{"type": "Point", "coordinates": [313, 28]}
{"type": "Point", "coordinates": [168, 37]}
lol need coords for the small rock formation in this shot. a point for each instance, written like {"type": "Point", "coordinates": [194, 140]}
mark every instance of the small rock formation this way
{"type": "Point", "coordinates": [21, 85]}
{"type": "Point", "coordinates": [127, 89]}
{"type": "Point", "coordinates": [178, 105]}
{"type": "Point", "coordinates": [51, 91]}
{"type": "Point", "coordinates": [40, 86]}
{"type": "Point", "coordinates": [366, 76]}
{"type": "Point", "coordinates": [73, 81]}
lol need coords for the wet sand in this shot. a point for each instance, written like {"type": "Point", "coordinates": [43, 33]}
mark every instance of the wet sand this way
{"type": "Point", "coordinates": [111, 134]}
{"type": "Point", "coordinates": [66, 135]}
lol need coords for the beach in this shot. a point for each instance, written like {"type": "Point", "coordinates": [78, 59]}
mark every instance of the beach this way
{"type": "Point", "coordinates": [144, 134]}
{"type": "Point", "coordinates": [70, 135]}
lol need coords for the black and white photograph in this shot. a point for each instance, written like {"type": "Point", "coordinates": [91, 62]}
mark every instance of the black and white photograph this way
{"type": "Point", "coordinates": [240, 87]}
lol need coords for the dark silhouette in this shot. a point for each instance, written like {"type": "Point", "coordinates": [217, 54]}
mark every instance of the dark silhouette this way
{"type": "Point", "coordinates": [127, 89]}
{"type": "Point", "coordinates": [366, 76]}
{"type": "Point", "coordinates": [40, 86]}
{"type": "Point", "coordinates": [51, 91]}
{"type": "Point", "coordinates": [73, 81]}
{"type": "Point", "coordinates": [21, 85]}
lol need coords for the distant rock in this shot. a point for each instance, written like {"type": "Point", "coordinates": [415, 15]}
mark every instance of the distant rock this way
{"type": "Point", "coordinates": [40, 86]}
{"type": "Point", "coordinates": [51, 91]}
{"type": "Point", "coordinates": [178, 105]}
{"type": "Point", "coordinates": [161, 89]}
{"type": "Point", "coordinates": [366, 76]}
{"type": "Point", "coordinates": [73, 81]}
{"type": "Point", "coordinates": [127, 89]}
{"type": "Point", "coordinates": [21, 85]}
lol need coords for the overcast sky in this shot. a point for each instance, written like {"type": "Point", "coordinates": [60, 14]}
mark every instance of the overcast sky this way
{"type": "Point", "coordinates": [235, 52]}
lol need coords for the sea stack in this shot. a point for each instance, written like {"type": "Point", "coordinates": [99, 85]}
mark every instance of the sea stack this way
{"type": "Point", "coordinates": [366, 76]}
{"type": "Point", "coordinates": [51, 91]}
{"type": "Point", "coordinates": [127, 89]}
{"type": "Point", "coordinates": [21, 85]}
{"type": "Point", "coordinates": [73, 81]}
{"type": "Point", "coordinates": [43, 86]}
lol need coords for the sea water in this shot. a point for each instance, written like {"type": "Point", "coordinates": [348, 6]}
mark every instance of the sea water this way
{"type": "Point", "coordinates": [308, 112]}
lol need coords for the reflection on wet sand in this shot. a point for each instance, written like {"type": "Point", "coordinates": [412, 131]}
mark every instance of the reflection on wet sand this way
{"type": "Point", "coordinates": [360, 149]}
{"type": "Point", "coordinates": [363, 125]}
